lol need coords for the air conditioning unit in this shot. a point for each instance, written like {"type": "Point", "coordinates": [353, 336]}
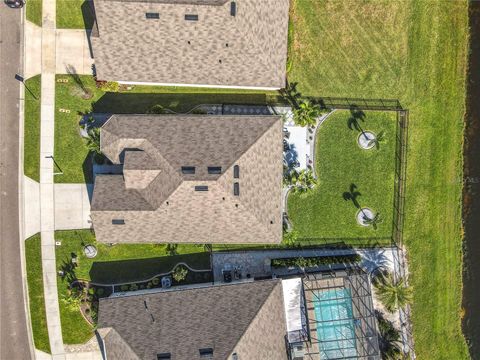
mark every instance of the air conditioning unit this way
{"type": "Point", "coordinates": [298, 352]}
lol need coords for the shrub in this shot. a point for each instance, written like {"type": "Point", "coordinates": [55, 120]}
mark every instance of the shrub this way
{"type": "Point", "coordinates": [100, 291]}
{"type": "Point", "coordinates": [108, 86]}
{"type": "Point", "coordinates": [124, 287]}
{"type": "Point", "coordinates": [91, 291]}
{"type": "Point", "coordinates": [315, 261]}
{"type": "Point", "coordinates": [180, 273]}
{"type": "Point", "coordinates": [157, 109]}
{"type": "Point", "coordinates": [198, 111]}
{"type": "Point", "coordinates": [133, 287]}
{"type": "Point", "coordinates": [155, 281]}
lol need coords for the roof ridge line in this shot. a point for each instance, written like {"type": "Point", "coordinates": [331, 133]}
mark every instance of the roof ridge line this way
{"type": "Point", "coordinates": [278, 283]}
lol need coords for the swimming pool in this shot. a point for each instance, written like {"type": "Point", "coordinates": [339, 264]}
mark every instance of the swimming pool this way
{"type": "Point", "coordinates": [335, 324]}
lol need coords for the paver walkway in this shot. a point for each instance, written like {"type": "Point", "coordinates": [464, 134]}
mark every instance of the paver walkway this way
{"type": "Point", "coordinates": [47, 201]}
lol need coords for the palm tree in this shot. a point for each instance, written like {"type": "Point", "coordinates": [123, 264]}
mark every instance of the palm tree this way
{"type": "Point", "coordinates": [389, 339]}
{"type": "Point", "coordinates": [306, 114]}
{"type": "Point", "coordinates": [93, 141]}
{"type": "Point", "coordinates": [290, 176]}
{"type": "Point", "coordinates": [377, 140]}
{"type": "Point", "coordinates": [377, 219]}
{"type": "Point", "coordinates": [393, 294]}
{"type": "Point", "coordinates": [306, 181]}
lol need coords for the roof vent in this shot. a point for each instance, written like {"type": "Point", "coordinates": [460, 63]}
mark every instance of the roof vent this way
{"type": "Point", "coordinates": [188, 169]}
{"type": "Point", "coordinates": [206, 353]}
{"type": "Point", "coordinates": [233, 8]}
{"type": "Point", "coordinates": [234, 356]}
{"type": "Point", "coordinates": [201, 188]}
{"type": "Point", "coordinates": [236, 189]}
{"type": "Point", "coordinates": [164, 356]}
{"type": "Point", "coordinates": [191, 17]}
{"type": "Point", "coordinates": [152, 15]}
{"type": "Point", "coordinates": [214, 169]}
{"type": "Point", "coordinates": [236, 171]}
{"type": "Point", "coordinates": [118, 222]}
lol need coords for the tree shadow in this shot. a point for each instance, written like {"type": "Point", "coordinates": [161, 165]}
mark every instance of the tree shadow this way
{"type": "Point", "coordinates": [120, 271]}
{"type": "Point", "coordinates": [357, 116]}
{"type": "Point", "coordinates": [68, 270]}
{"type": "Point", "coordinates": [374, 260]}
{"type": "Point", "coordinates": [352, 195]}
{"type": "Point", "coordinates": [87, 167]}
{"type": "Point", "coordinates": [291, 94]}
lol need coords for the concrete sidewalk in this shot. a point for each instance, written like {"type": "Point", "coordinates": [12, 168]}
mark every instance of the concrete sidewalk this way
{"type": "Point", "coordinates": [47, 200]}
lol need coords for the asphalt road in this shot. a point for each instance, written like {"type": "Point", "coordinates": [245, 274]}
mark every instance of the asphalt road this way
{"type": "Point", "coordinates": [13, 324]}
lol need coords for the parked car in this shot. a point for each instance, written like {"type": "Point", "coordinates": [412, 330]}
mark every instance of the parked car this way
{"type": "Point", "coordinates": [15, 4]}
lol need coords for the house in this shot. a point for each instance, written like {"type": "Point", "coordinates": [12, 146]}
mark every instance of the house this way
{"type": "Point", "coordinates": [228, 322]}
{"type": "Point", "coordinates": [190, 179]}
{"type": "Point", "coordinates": [213, 43]}
{"type": "Point", "coordinates": [316, 316]}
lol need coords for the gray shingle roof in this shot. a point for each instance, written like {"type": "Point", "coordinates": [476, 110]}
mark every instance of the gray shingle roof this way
{"type": "Point", "coordinates": [249, 49]}
{"type": "Point", "coordinates": [244, 318]}
{"type": "Point", "coordinates": [159, 202]}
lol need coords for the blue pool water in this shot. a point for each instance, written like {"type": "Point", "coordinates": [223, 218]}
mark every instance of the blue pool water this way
{"type": "Point", "coordinates": [335, 324]}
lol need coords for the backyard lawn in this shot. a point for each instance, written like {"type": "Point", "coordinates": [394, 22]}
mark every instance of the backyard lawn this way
{"type": "Point", "coordinates": [33, 256]}
{"type": "Point", "coordinates": [323, 213]}
{"type": "Point", "coordinates": [416, 52]}
{"type": "Point", "coordinates": [31, 150]}
{"type": "Point", "coordinates": [71, 154]}
{"type": "Point", "coordinates": [34, 11]}
{"type": "Point", "coordinates": [74, 14]}
{"type": "Point", "coordinates": [113, 264]}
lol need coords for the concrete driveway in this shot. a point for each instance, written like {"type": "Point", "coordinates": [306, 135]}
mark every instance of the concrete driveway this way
{"type": "Point", "coordinates": [72, 49]}
{"type": "Point", "coordinates": [72, 206]}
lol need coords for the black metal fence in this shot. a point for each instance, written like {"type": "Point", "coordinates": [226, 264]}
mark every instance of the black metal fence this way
{"type": "Point", "coordinates": [357, 103]}
{"type": "Point", "coordinates": [400, 176]}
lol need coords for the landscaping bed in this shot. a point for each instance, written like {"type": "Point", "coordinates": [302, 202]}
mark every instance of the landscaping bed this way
{"type": "Point", "coordinates": [415, 52]}
{"type": "Point", "coordinates": [349, 178]}
{"type": "Point", "coordinates": [134, 264]}
{"type": "Point", "coordinates": [316, 261]}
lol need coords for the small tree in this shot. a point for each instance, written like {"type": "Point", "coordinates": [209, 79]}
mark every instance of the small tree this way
{"type": "Point", "coordinates": [306, 181]}
{"type": "Point", "coordinates": [377, 140]}
{"type": "Point", "coordinates": [374, 221]}
{"type": "Point", "coordinates": [393, 294]}
{"type": "Point", "coordinates": [180, 273]}
{"type": "Point", "coordinates": [306, 114]}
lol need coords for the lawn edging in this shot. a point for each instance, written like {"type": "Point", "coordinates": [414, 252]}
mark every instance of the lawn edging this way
{"type": "Point", "coordinates": [33, 257]}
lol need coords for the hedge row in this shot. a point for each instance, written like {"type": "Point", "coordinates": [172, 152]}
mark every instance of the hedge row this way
{"type": "Point", "coordinates": [315, 261]}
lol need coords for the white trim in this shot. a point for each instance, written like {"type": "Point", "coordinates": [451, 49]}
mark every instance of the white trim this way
{"type": "Point", "coordinates": [200, 85]}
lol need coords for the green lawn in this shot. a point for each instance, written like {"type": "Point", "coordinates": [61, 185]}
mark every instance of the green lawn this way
{"type": "Point", "coordinates": [34, 11]}
{"type": "Point", "coordinates": [31, 150]}
{"type": "Point", "coordinates": [74, 14]}
{"type": "Point", "coordinates": [118, 263]}
{"type": "Point", "coordinates": [416, 52]}
{"type": "Point", "coordinates": [323, 214]}
{"type": "Point", "coordinates": [71, 154]}
{"type": "Point", "coordinates": [33, 256]}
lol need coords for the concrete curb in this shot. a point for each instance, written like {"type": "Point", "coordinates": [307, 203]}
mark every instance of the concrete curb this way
{"type": "Point", "coordinates": [21, 204]}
